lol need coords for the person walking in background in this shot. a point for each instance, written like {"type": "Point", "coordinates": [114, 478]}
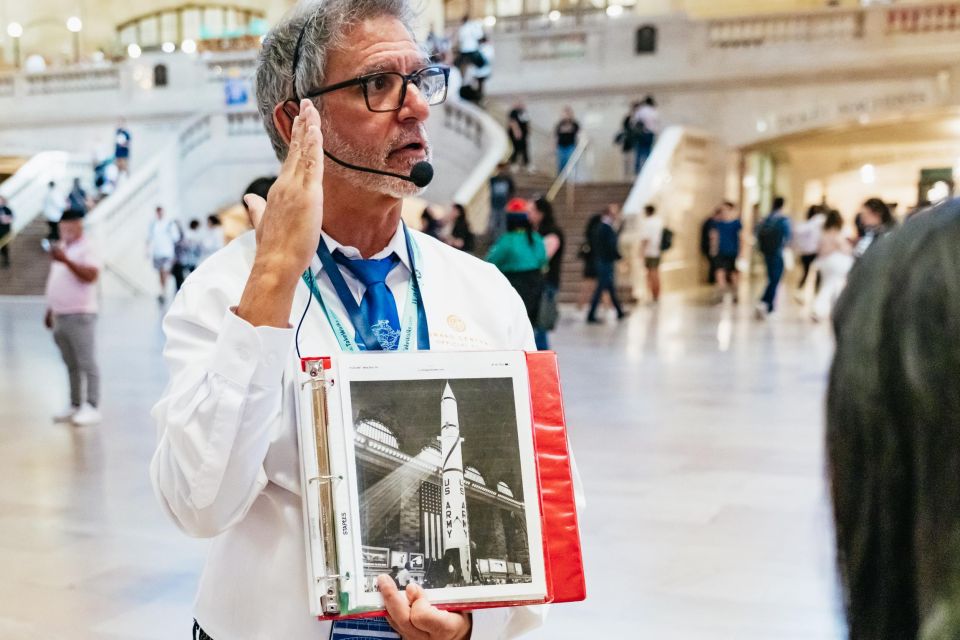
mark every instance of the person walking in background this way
{"type": "Point", "coordinates": [520, 255]}
{"type": "Point", "coordinates": [646, 123]}
{"type": "Point", "coordinates": [833, 263]}
{"type": "Point", "coordinates": [545, 223]}
{"type": "Point", "coordinates": [708, 242]}
{"type": "Point", "coordinates": [77, 198]}
{"type": "Point", "coordinates": [502, 189]}
{"type": "Point", "coordinates": [876, 220]}
{"type": "Point", "coordinates": [586, 254]}
{"type": "Point", "coordinates": [6, 228]}
{"type": "Point", "coordinates": [626, 139]}
{"type": "Point", "coordinates": [893, 414]}
{"type": "Point", "coordinates": [72, 315]}
{"type": "Point", "coordinates": [121, 147]}
{"type": "Point", "coordinates": [651, 242]}
{"type": "Point", "coordinates": [806, 241]}
{"type": "Point", "coordinates": [213, 238]}
{"type": "Point", "coordinates": [52, 210]}
{"type": "Point", "coordinates": [773, 234]}
{"type": "Point", "coordinates": [429, 224]}
{"type": "Point", "coordinates": [481, 73]}
{"type": "Point", "coordinates": [460, 235]}
{"type": "Point", "coordinates": [726, 241]}
{"type": "Point", "coordinates": [186, 253]}
{"type": "Point", "coordinates": [162, 239]}
{"type": "Point", "coordinates": [567, 131]}
{"type": "Point", "coordinates": [606, 253]}
{"type": "Point", "coordinates": [518, 128]}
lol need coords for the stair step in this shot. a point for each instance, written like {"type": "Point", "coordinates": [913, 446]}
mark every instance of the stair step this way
{"type": "Point", "coordinates": [29, 264]}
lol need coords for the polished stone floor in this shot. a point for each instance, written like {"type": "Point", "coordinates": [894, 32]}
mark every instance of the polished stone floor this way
{"type": "Point", "coordinates": [698, 433]}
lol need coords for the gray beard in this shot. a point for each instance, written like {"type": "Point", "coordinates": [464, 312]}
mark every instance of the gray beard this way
{"type": "Point", "coordinates": [374, 159]}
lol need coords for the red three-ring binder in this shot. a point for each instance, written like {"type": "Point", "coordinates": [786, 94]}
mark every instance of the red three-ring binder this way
{"type": "Point", "coordinates": [563, 557]}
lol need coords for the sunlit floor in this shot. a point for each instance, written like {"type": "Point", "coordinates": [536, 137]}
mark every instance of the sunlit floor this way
{"type": "Point", "coordinates": [698, 433]}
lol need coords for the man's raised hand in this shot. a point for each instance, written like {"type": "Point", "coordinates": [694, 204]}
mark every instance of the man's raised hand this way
{"type": "Point", "coordinates": [287, 225]}
{"type": "Point", "coordinates": [414, 618]}
{"type": "Point", "coordinates": [288, 222]}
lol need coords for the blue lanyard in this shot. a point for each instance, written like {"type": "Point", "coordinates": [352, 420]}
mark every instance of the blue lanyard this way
{"type": "Point", "coordinates": [414, 315]}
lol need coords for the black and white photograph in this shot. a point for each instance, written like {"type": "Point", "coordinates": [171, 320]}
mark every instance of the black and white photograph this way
{"type": "Point", "coordinates": [439, 479]}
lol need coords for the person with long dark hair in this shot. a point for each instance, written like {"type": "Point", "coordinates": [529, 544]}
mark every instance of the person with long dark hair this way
{"type": "Point", "coordinates": [893, 415]}
{"type": "Point", "coordinates": [520, 255]}
{"type": "Point", "coordinates": [876, 220]}
{"type": "Point", "coordinates": [460, 235]}
{"type": "Point", "coordinates": [545, 223]}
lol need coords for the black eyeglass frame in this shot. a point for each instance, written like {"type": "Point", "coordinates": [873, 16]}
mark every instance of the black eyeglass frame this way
{"type": "Point", "coordinates": [364, 79]}
{"type": "Point", "coordinates": [407, 79]}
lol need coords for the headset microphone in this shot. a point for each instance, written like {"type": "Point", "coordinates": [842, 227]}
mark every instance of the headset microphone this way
{"type": "Point", "coordinates": [421, 174]}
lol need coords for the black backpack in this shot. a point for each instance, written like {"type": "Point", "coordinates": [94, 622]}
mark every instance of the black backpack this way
{"type": "Point", "coordinates": [770, 236]}
{"type": "Point", "coordinates": [666, 239]}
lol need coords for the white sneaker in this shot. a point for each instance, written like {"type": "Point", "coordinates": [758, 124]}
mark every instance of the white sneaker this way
{"type": "Point", "coordinates": [67, 414]}
{"type": "Point", "coordinates": [761, 311]}
{"type": "Point", "coordinates": [86, 415]}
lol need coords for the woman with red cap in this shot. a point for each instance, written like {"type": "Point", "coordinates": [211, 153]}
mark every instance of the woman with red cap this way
{"type": "Point", "coordinates": [521, 256]}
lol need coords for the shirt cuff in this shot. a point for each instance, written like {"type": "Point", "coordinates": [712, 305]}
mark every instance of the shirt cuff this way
{"type": "Point", "coordinates": [248, 355]}
{"type": "Point", "coordinates": [489, 624]}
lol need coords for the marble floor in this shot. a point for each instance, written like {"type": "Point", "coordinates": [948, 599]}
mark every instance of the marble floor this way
{"type": "Point", "coordinates": [698, 432]}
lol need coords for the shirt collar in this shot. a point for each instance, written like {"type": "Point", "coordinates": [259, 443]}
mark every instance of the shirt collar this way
{"type": "Point", "coordinates": [397, 245]}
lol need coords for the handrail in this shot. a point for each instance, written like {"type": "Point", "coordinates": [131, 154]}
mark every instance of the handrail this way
{"type": "Point", "coordinates": [568, 168]}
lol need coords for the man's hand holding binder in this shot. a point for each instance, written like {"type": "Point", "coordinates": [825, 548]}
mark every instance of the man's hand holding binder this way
{"type": "Point", "coordinates": [414, 618]}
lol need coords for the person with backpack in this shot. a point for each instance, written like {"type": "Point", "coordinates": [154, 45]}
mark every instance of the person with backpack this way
{"type": "Point", "coordinates": [653, 238]}
{"type": "Point", "coordinates": [773, 234]}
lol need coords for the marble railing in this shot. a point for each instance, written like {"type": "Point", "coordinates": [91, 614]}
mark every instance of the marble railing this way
{"type": "Point", "coordinates": [73, 81]}
{"type": "Point", "coordinates": [924, 18]}
{"type": "Point", "coordinates": [763, 30]}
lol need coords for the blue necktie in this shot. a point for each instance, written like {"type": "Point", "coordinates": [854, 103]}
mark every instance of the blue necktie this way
{"type": "Point", "coordinates": [378, 306]}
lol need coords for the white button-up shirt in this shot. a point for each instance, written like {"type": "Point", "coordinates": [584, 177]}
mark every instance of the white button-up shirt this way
{"type": "Point", "coordinates": [227, 463]}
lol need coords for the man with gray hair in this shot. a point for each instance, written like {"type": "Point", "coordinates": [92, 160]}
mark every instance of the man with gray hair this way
{"type": "Point", "coordinates": [342, 79]}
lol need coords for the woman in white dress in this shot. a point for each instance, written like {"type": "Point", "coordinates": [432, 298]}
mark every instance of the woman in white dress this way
{"type": "Point", "coordinates": [834, 261]}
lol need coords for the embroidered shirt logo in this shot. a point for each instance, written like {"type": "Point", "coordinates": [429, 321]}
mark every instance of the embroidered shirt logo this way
{"type": "Point", "coordinates": [456, 323]}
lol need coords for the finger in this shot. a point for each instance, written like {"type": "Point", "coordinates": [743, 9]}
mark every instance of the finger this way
{"type": "Point", "coordinates": [432, 621]}
{"type": "Point", "coordinates": [255, 208]}
{"type": "Point", "coordinates": [310, 167]}
{"type": "Point", "coordinates": [396, 604]}
{"type": "Point", "coordinates": [293, 150]}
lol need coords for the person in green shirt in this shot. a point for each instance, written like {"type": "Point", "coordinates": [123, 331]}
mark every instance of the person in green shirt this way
{"type": "Point", "coordinates": [521, 256]}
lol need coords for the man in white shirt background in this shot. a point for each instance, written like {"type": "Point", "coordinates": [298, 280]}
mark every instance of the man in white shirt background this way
{"type": "Point", "coordinates": [651, 239]}
{"type": "Point", "coordinates": [162, 239]}
{"type": "Point", "coordinates": [52, 210]}
{"type": "Point", "coordinates": [227, 464]}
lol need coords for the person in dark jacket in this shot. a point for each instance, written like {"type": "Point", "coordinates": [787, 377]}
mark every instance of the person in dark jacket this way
{"type": "Point", "coordinates": [460, 235]}
{"type": "Point", "coordinates": [519, 254]}
{"type": "Point", "coordinates": [544, 222]}
{"type": "Point", "coordinates": [589, 265]}
{"type": "Point", "coordinates": [606, 253]}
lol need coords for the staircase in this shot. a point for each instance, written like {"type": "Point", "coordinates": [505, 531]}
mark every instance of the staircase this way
{"type": "Point", "coordinates": [29, 264]}
{"type": "Point", "coordinates": [573, 207]}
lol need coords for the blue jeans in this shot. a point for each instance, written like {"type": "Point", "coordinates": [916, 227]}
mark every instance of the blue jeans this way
{"type": "Point", "coordinates": [605, 282]}
{"type": "Point", "coordinates": [563, 156]}
{"type": "Point", "coordinates": [774, 274]}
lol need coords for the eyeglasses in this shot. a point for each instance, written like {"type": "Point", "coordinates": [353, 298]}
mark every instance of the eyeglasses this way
{"type": "Point", "coordinates": [386, 91]}
{"type": "Point", "coordinates": [383, 91]}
